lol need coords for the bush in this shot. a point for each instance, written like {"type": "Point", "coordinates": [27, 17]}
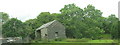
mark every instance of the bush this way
{"type": "Point", "coordinates": [78, 40]}
{"type": "Point", "coordinates": [84, 39]}
{"type": "Point", "coordinates": [36, 41]}
{"type": "Point", "coordinates": [58, 39]}
{"type": "Point", "coordinates": [106, 36]}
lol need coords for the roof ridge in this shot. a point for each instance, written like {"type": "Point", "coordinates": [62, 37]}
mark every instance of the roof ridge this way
{"type": "Point", "coordinates": [46, 24]}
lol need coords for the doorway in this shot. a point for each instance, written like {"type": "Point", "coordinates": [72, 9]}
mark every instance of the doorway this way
{"type": "Point", "coordinates": [56, 34]}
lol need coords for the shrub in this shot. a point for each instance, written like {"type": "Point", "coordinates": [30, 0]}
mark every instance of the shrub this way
{"type": "Point", "coordinates": [106, 36]}
{"type": "Point", "coordinates": [58, 39]}
{"type": "Point", "coordinates": [84, 40]}
{"type": "Point", "coordinates": [78, 40]}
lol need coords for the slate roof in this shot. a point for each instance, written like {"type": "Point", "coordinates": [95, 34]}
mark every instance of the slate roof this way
{"type": "Point", "coordinates": [46, 25]}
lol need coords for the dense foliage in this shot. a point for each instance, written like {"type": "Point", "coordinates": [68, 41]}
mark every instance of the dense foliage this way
{"type": "Point", "coordinates": [4, 16]}
{"type": "Point", "coordinates": [13, 28]}
{"type": "Point", "coordinates": [79, 23]}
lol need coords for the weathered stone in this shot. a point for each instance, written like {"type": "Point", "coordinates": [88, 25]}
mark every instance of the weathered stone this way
{"type": "Point", "coordinates": [50, 30]}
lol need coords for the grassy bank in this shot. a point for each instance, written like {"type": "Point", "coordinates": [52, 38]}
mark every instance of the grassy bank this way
{"type": "Point", "coordinates": [83, 40]}
{"type": "Point", "coordinates": [74, 44]}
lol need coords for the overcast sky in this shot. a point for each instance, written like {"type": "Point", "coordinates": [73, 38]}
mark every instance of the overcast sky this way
{"type": "Point", "coordinates": [29, 9]}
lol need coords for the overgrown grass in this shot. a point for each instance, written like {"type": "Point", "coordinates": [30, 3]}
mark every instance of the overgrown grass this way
{"type": "Point", "coordinates": [83, 40]}
{"type": "Point", "coordinates": [90, 41]}
{"type": "Point", "coordinates": [78, 40]}
{"type": "Point", "coordinates": [102, 41]}
{"type": "Point", "coordinates": [74, 44]}
{"type": "Point", "coordinates": [106, 36]}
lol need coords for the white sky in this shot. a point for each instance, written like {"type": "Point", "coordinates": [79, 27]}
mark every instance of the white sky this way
{"type": "Point", "coordinates": [29, 9]}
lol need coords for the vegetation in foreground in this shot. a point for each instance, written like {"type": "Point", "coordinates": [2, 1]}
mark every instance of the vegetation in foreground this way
{"type": "Point", "coordinates": [83, 40]}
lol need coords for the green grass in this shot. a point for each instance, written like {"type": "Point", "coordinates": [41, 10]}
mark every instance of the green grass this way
{"type": "Point", "coordinates": [90, 41]}
{"type": "Point", "coordinates": [102, 41]}
{"type": "Point", "coordinates": [106, 36]}
{"type": "Point", "coordinates": [79, 42]}
{"type": "Point", "coordinates": [83, 41]}
{"type": "Point", "coordinates": [74, 44]}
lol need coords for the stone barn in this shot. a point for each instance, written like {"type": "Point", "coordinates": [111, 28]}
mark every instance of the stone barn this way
{"type": "Point", "coordinates": [50, 30]}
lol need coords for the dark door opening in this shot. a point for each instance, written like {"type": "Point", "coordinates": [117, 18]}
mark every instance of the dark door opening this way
{"type": "Point", "coordinates": [45, 35]}
{"type": "Point", "coordinates": [56, 34]}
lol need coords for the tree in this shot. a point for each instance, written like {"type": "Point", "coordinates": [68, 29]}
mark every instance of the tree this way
{"type": "Point", "coordinates": [119, 30]}
{"type": "Point", "coordinates": [94, 33]}
{"type": "Point", "coordinates": [4, 17]}
{"type": "Point", "coordinates": [13, 28]}
{"type": "Point", "coordinates": [91, 12]}
{"type": "Point", "coordinates": [78, 21]}
{"type": "Point", "coordinates": [30, 27]}
{"type": "Point", "coordinates": [113, 25]}
{"type": "Point", "coordinates": [43, 18]}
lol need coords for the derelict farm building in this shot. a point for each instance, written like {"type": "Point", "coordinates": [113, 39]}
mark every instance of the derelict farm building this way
{"type": "Point", "coordinates": [51, 30]}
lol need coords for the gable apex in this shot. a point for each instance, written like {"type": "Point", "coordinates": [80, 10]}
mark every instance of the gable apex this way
{"type": "Point", "coordinates": [46, 25]}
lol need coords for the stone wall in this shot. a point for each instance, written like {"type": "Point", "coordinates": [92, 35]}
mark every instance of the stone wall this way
{"type": "Point", "coordinates": [56, 27]}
